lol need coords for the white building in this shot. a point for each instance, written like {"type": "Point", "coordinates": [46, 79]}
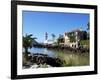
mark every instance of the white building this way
{"type": "Point", "coordinates": [50, 41]}
{"type": "Point", "coordinates": [67, 40]}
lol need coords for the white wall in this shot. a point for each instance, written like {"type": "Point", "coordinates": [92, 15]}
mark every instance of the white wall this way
{"type": "Point", "coordinates": [5, 29]}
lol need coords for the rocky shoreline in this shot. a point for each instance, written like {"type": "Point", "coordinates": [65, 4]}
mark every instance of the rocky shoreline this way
{"type": "Point", "coordinates": [80, 49]}
{"type": "Point", "coordinates": [39, 60]}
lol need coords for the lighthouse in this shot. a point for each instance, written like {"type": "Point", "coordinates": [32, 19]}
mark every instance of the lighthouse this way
{"type": "Point", "coordinates": [46, 36]}
{"type": "Point", "coordinates": [46, 40]}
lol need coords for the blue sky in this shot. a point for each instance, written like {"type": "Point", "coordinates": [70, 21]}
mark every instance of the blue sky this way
{"type": "Point", "coordinates": [37, 23]}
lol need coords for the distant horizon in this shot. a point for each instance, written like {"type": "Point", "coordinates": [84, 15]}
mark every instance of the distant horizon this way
{"type": "Point", "coordinates": [37, 23]}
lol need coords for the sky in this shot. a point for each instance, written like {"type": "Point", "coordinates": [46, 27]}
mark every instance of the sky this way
{"type": "Point", "coordinates": [38, 23]}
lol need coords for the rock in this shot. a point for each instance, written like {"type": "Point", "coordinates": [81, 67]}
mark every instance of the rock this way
{"type": "Point", "coordinates": [34, 66]}
{"type": "Point", "coordinates": [41, 59]}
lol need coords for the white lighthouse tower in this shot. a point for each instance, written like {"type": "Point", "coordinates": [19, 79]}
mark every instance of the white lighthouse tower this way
{"type": "Point", "coordinates": [46, 38]}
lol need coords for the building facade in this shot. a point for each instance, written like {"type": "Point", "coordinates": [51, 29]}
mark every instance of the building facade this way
{"type": "Point", "coordinates": [73, 38]}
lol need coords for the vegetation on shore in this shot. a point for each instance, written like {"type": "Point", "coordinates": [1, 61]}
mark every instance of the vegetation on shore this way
{"type": "Point", "coordinates": [70, 59]}
{"type": "Point", "coordinates": [61, 60]}
{"type": "Point", "coordinates": [28, 43]}
{"type": "Point", "coordinates": [85, 42]}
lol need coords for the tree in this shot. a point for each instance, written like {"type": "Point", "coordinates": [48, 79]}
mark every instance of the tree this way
{"type": "Point", "coordinates": [72, 36]}
{"type": "Point", "coordinates": [88, 25]}
{"type": "Point", "coordinates": [60, 39]}
{"type": "Point", "coordinates": [88, 28]}
{"type": "Point", "coordinates": [53, 36]}
{"type": "Point", "coordinates": [28, 42]}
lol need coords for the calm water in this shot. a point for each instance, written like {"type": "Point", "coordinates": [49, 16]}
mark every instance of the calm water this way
{"type": "Point", "coordinates": [50, 53]}
{"type": "Point", "coordinates": [70, 57]}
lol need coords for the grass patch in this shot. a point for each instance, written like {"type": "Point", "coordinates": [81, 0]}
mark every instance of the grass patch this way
{"type": "Point", "coordinates": [85, 42]}
{"type": "Point", "coordinates": [73, 59]}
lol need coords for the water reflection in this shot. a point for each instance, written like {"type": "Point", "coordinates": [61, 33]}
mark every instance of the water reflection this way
{"type": "Point", "coordinates": [50, 53]}
{"type": "Point", "coordinates": [71, 58]}
{"type": "Point", "coordinates": [45, 51]}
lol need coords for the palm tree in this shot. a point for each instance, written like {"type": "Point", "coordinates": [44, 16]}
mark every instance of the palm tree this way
{"type": "Point", "coordinates": [53, 36]}
{"type": "Point", "coordinates": [28, 42]}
